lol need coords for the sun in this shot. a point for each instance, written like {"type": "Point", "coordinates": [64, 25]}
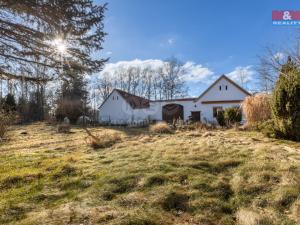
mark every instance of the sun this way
{"type": "Point", "coordinates": [60, 45]}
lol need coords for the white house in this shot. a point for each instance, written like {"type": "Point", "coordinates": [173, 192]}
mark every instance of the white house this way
{"type": "Point", "coordinates": [122, 108]}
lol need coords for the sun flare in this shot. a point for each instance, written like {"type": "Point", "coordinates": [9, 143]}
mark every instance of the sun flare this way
{"type": "Point", "coordinates": [59, 45]}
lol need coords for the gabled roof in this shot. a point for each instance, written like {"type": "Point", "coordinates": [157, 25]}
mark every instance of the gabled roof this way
{"type": "Point", "coordinates": [176, 99]}
{"type": "Point", "coordinates": [136, 102]}
{"type": "Point", "coordinates": [229, 80]}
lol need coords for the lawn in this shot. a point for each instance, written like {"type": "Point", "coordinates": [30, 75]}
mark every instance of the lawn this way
{"type": "Point", "coordinates": [222, 177]}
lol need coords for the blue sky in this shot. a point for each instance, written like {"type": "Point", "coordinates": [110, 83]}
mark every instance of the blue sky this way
{"type": "Point", "coordinates": [216, 35]}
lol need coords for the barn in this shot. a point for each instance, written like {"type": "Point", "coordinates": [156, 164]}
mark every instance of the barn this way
{"type": "Point", "coordinates": [121, 107]}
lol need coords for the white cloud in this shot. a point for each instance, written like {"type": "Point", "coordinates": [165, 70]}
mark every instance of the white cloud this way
{"type": "Point", "coordinates": [242, 74]}
{"type": "Point", "coordinates": [196, 72]}
{"type": "Point", "coordinates": [151, 63]}
{"type": "Point", "coordinates": [193, 72]}
{"type": "Point", "coordinates": [108, 53]}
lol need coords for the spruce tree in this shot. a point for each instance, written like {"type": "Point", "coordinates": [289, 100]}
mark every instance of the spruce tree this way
{"type": "Point", "coordinates": [286, 103]}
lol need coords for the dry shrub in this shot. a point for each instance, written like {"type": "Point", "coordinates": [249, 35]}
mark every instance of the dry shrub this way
{"type": "Point", "coordinates": [257, 108]}
{"type": "Point", "coordinates": [161, 127]}
{"type": "Point", "coordinates": [6, 119]}
{"type": "Point", "coordinates": [63, 128]}
{"type": "Point", "coordinates": [104, 140]}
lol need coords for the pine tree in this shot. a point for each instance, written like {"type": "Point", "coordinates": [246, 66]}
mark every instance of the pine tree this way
{"type": "Point", "coordinates": [31, 30]}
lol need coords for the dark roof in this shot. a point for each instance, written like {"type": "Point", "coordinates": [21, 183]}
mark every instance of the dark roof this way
{"type": "Point", "coordinates": [229, 80]}
{"type": "Point", "coordinates": [136, 102]}
{"type": "Point", "coordinates": [176, 99]}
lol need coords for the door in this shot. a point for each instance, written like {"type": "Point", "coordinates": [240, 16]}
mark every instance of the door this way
{"type": "Point", "coordinates": [171, 112]}
{"type": "Point", "coordinates": [196, 116]}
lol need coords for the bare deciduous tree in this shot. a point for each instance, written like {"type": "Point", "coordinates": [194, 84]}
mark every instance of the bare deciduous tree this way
{"type": "Point", "coordinates": [271, 63]}
{"type": "Point", "coordinates": [164, 82]}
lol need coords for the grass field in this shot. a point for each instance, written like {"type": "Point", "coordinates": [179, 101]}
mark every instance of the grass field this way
{"type": "Point", "coordinates": [222, 178]}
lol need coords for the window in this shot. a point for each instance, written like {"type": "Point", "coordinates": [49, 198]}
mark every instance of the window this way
{"type": "Point", "coordinates": [117, 98]}
{"type": "Point", "coordinates": [220, 87]}
{"type": "Point", "coordinates": [216, 110]}
{"type": "Point", "coordinates": [226, 87]}
{"type": "Point", "coordinates": [113, 97]}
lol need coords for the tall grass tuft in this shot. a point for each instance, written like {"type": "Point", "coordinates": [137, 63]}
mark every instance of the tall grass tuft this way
{"type": "Point", "coordinates": [257, 109]}
{"type": "Point", "coordinates": [161, 127]}
{"type": "Point", "coordinates": [104, 140]}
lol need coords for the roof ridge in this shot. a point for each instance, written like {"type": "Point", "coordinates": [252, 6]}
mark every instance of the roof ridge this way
{"type": "Point", "coordinates": [227, 78]}
{"type": "Point", "coordinates": [119, 90]}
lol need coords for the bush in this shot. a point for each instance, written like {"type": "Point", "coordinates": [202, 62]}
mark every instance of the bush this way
{"type": "Point", "coordinates": [221, 118]}
{"type": "Point", "coordinates": [6, 119]}
{"type": "Point", "coordinates": [160, 127]}
{"type": "Point", "coordinates": [63, 128]}
{"type": "Point", "coordinates": [104, 140]}
{"type": "Point", "coordinates": [286, 105]}
{"type": "Point", "coordinates": [267, 128]}
{"type": "Point", "coordinates": [257, 109]}
{"type": "Point", "coordinates": [232, 115]}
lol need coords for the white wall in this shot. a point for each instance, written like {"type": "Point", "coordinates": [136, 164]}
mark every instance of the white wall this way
{"type": "Point", "coordinates": [116, 110]}
{"type": "Point", "coordinates": [215, 94]}
{"type": "Point", "coordinates": [207, 110]}
{"type": "Point", "coordinates": [232, 92]}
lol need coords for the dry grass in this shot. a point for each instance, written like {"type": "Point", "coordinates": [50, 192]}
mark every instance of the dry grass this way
{"type": "Point", "coordinates": [257, 109]}
{"type": "Point", "coordinates": [103, 140]}
{"type": "Point", "coordinates": [229, 177]}
{"type": "Point", "coordinates": [250, 217]}
{"type": "Point", "coordinates": [161, 127]}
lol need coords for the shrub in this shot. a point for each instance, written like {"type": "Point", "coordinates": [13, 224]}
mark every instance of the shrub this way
{"type": "Point", "coordinates": [232, 115]}
{"type": "Point", "coordinates": [160, 127]}
{"type": "Point", "coordinates": [221, 118]}
{"type": "Point", "coordinates": [6, 119]}
{"type": "Point", "coordinates": [267, 128]}
{"type": "Point", "coordinates": [257, 108]}
{"type": "Point", "coordinates": [104, 140]}
{"type": "Point", "coordinates": [63, 128]}
{"type": "Point", "coordinates": [286, 105]}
